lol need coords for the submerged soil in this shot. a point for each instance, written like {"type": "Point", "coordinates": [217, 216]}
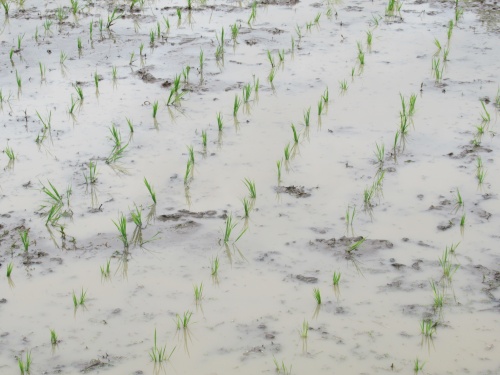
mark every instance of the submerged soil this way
{"type": "Point", "coordinates": [396, 200]}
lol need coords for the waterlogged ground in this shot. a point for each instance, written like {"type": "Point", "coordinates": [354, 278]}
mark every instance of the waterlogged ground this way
{"type": "Point", "coordinates": [417, 231]}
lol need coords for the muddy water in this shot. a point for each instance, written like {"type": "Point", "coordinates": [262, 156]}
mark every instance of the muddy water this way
{"type": "Point", "coordinates": [253, 310]}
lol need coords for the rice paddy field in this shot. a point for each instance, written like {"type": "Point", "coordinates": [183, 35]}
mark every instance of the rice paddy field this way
{"type": "Point", "coordinates": [223, 187]}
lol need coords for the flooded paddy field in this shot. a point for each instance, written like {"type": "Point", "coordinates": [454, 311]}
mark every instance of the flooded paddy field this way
{"type": "Point", "coordinates": [249, 187]}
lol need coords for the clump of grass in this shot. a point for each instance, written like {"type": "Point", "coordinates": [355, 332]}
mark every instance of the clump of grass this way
{"type": "Point", "coordinates": [252, 191]}
{"type": "Point", "coordinates": [112, 18]}
{"type": "Point", "coordinates": [411, 105]}
{"type": "Point", "coordinates": [438, 295]}
{"type": "Point", "coordinates": [451, 25]}
{"type": "Point", "coordinates": [295, 134]}
{"type": "Point", "coordinates": [121, 225]}
{"type": "Point", "coordinates": [220, 121]}
{"type": "Point", "coordinates": [336, 278]}
{"type": "Point", "coordinates": [343, 85]}
{"type": "Point", "coordinates": [437, 69]}
{"type": "Point", "coordinates": [25, 239]}
{"type": "Point", "coordinates": [10, 153]}
{"type": "Point", "coordinates": [189, 172]}
{"type": "Point", "coordinates": [236, 105]}
{"type": "Point", "coordinates": [448, 268]}
{"type": "Point", "coordinates": [183, 321]}
{"type": "Point", "coordinates": [25, 366]}
{"type": "Point", "coordinates": [247, 206]}
{"type": "Point", "coordinates": [282, 368]}
{"type": "Point", "coordinates": [159, 354]}
{"type": "Point", "coordinates": [286, 152]}
{"type": "Point", "coordinates": [317, 295]}
{"type": "Point", "coordinates": [307, 116]}
{"type": "Point", "coordinates": [369, 38]}
{"type": "Point", "coordinates": [418, 365]}
{"type": "Point", "coordinates": [198, 292]}
{"type": "Point", "coordinates": [106, 269]}
{"type": "Point", "coordinates": [480, 171]}
{"type": "Point", "coordinates": [191, 154]}
{"type": "Point", "coordinates": [91, 178]}
{"type": "Point", "coordinates": [380, 154]}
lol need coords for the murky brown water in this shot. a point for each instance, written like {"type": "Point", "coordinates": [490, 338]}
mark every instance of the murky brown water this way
{"type": "Point", "coordinates": [252, 312]}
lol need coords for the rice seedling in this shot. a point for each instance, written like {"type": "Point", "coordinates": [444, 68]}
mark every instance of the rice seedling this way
{"type": "Point", "coordinates": [159, 354]}
{"type": "Point", "coordinates": [236, 105]}
{"type": "Point", "coordinates": [278, 167]}
{"type": "Point", "coordinates": [395, 144]}
{"type": "Point", "coordinates": [214, 266]}
{"type": "Point", "coordinates": [136, 216]}
{"type": "Point", "coordinates": [317, 295]}
{"type": "Point", "coordinates": [151, 190]}
{"type": "Point", "coordinates": [10, 267]}
{"type": "Point", "coordinates": [320, 106]}
{"type": "Point", "coordinates": [25, 366]}
{"type": "Point", "coordinates": [437, 69]}
{"type": "Point", "coordinates": [79, 92]}
{"type": "Point", "coordinates": [445, 262]}
{"type": "Point", "coordinates": [91, 29]}
{"type": "Point", "coordinates": [5, 6]}
{"type": "Point", "coordinates": [438, 295]}
{"type": "Point", "coordinates": [53, 194]}
{"type": "Point", "coordinates": [361, 58]}
{"type": "Point", "coordinates": [411, 104]}
{"type": "Point", "coordinates": [305, 329]}
{"type": "Point", "coordinates": [191, 154]}
{"type": "Point", "coordinates": [418, 366]}
{"type": "Point", "coordinates": [355, 246]}
{"type": "Point", "coordinates": [230, 225]}
{"type": "Point", "coordinates": [350, 213]}
{"type": "Point", "coordinates": [450, 29]}
{"type": "Point", "coordinates": [198, 292]}
{"type": "Point", "coordinates": [25, 239]}
{"type": "Point", "coordinates": [307, 116]}
{"type": "Point", "coordinates": [282, 368]}
{"type": "Point", "coordinates": [116, 154]}
{"type": "Point", "coordinates": [201, 59]}
{"type": "Point", "coordinates": [96, 81]}
{"type": "Point", "coordinates": [295, 134]}
{"type": "Point", "coordinates": [91, 178]}
{"type": "Point", "coordinates": [75, 7]}
{"type": "Point", "coordinates": [462, 221]}
{"type": "Point", "coordinates": [183, 321]}
{"type": "Point", "coordinates": [10, 153]}
{"type": "Point", "coordinates": [281, 56]}
{"type": "Point", "coordinates": [480, 171]}
{"type": "Point", "coordinates": [368, 194]}
{"type": "Point", "coordinates": [253, 14]}
{"type": "Point", "coordinates": [79, 44]}
{"type": "Point", "coordinates": [427, 327]}
{"type": "Point", "coordinates": [219, 52]}
{"type": "Point", "coordinates": [380, 154]}
{"type": "Point", "coordinates": [53, 337]}
{"type": "Point", "coordinates": [152, 36]}
{"type": "Point", "coordinates": [36, 34]}
{"type": "Point", "coordinates": [106, 269]}
{"type": "Point", "coordinates": [343, 85]}
{"type": "Point", "coordinates": [204, 138]}
{"type": "Point", "coordinates": [112, 18]}
{"type": "Point", "coordinates": [18, 80]}
{"type": "Point", "coordinates": [271, 76]}
{"type": "Point", "coordinates": [19, 40]}
{"type": "Point", "coordinates": [11, 54]}
{"type": "Point", "coordinates": [404, 125]}
{"type": "Point", "coordinates": [47, 25]}
{"type": "Point", "coordinates": [155, 109]}
{"type": "Point", "coordinates": [121, 225]}
{"type": "Point", "coordinates": [485, 115]}
{"type": "Point", "coordinates": [247, 206]}
{"type": "Point", "coordinates": [336, 278]}
{"type": "Point", "coordinates": [189, 171]}
{"type": "Point", "coordinates": [235, 29]}
{"type": "Point", "coordinates": [459, 12]}
{"type": "Point", "coordinates": [62, 58]}
{"type": "Point", "coordinates": [185, 73]}
{"type": "Point", "coordinates": [287, 152]}
{"type": "Point", "coordinates": [251, 188]}
{"type": "Point", "coordinates": [437, 44]}
{"type": "Point", "coordinates": [60, 14]}
{"type": "Point", "coordinates": [369, 38]}
{"type": "Point", "coordinates": [79, 301]}
{"type": "Point", "coordinates": [270, 58]}
{"type": "Point", "coordinates": [326, 96]}
{"type": "Point", "coordinates": [459, 202]}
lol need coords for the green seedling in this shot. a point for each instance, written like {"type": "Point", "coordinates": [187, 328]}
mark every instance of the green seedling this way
{"type": "Point", "coordinates": [287, 152]}
{"type": "Point", "coordinates": [19, 41]}
{"type": "Point", "coordinates": [53, 337]}
{"type": "Point", "coordinates": [320, 106]}
{"type": "Point", "coordinates": [281, 56]}
{"type": "Point", "coordinates": [355, 246]}
{"type": "Point", "coordinates": [185, 73]}
{"type": "Point", "coordinates": [450, 29]}
{"type": "Point", "coordinates": [159, 354]}
{"type": "Point", "coordinates": [305, 329]}
{"type": "Point", "coordinates": [204, 138]}
{"type": "Point", "coordinates": [437, 44]}
{"type": "Point", "coordinates": [10, 267]}
{"type": "Point", "coordinates": [485, 115]}
{"type": "Point", "coordinates": [480, 171]}
{"type": "Point", "coordinates": [11, 54]}
{"type": "Point", "coordinates": [446, 52]}
{"type": "Point", "coordinates": [396, 141]}
{"type": "Point", "coordinates": [130, 124]}
{"type": "Point", "coordinates": [152, 35]}
{"type": "Point", "coordinates": [25, 239]}
{"type": "Point", "coordinates": [220, 122]}
{"type": "Point", "coordinates": [198, 292]}
{"type": "Point", "coordinates": [252, 192]}
{"type": "Point", "coordinates": [228, 228]}
{"type": "Point", "coordinates": [62, 58]}
{"type": "Point", "coordinates": [361, 58]}
{"type": "Point", "coordinates": [369, 38]}
{"type": "Point", "coordinates": [295, 134]}
{"type": "Point", "coordinates": [155, 109]}
{"type": "Point", "coordinates": [18, 80]}
{"type": "Point", "coordinates": [437, 69]}
{"type": "Point", "coordinates": [380, 154]}
{"type": "Point", "coordinates": [91, 29]}
{"type": "Point", "coordinates": [253, 14]}
{"type": "Point", "coordinates": [151, 190]}
{"type": "Point", "coordinates": [202, 60]}
{"type": "Point", "coordinates": [52, 194]}
{"type": "Point", "coordinates": [79, 301]}
{"type": "Point", "coordinates": [60, 14]}
{"type": "Point", "coordinates": [282, 368]}
{"type": "Point", "coordinates": [316, 19]}
{"type": "Point", "coordinates": [47, 25]}
{"type": "Point", "coordinates": [271, 76]}
{"type": "Point", "coordinates": [462, 221]}
{"type": "Point", "coordinates": [247, 206]}
{"type": "Point", "coordinates": [247, 92]}
{"type": "Point", "coordinates": [235, 29]}
{"type": "Point", "coordinates": [427, 327]}
{"type": "Point", "coordinates": [112, 18]}
{"type": "Point", "coordinates": [136, 216]}
{"type": "Point", "coordinates": [336, 278]}
{"type": "Point", "coordinates": [236, 105]}
{"type": "Point", "coordinates": [121, 225]}
{"type": "Point", "coordinates": [411, 105]}
{"type": "Point", "coordinates": [75, 7]}
{"type": "Point", "coordinates": [278, 167]}
{"type": "Point", "coordinates": [183, 321]}
{"type": "Point", "coordinates": [96, 81]}
{"type": "Point", "coordinates": [438, 295]}
{"type": "Point", "coordinates": [91, 178]}
{"type": "Point", "coordinates": [79, 44]}
{"type": "Point", "coordinates": [307, 116]}
{"type": "Point", "coordinates": [25, 366]}
{"type": "Point", "coordinates": [189, 171]}
{"type": "Point", "coordinates": [459, 12]}
{"type": "Point", "coordinates": [298, 31]}
{"type": "Point", "coordinates": [317, 295]}
{"type": "Point", "coordinates": [368, 194]}
{"type": "Point", "coordinates": [191, 154]}
{"type": "Point", "coordinates": [325, 96]}
{"type": "Point", "coordinates": [445, 262]}
{"type": "Point", "coordinates": [459, 202]}
{"type": "Point", "coordinates": [106, 269]}
{"type": "Point", "coordinates": [418, 366]}
{"type": "Point", "coordinates": [5, 6]}
{"type": "Point", "coordinates": [72, 106]}
{"type": "Point", "coordinates": [79, 92]}
{"type": "Point", "coordinates": [214, 266]}
{"type": "Point", "coordinates": [116, 154]}
{"type": "Point", "coordinates": [343, 85]}
{"type": "Point", "coordinates": [10, 153]}
{"type": "Point", "coordinates": [45, 122]}
{"type": "Point", "coordinates": [349, 216]}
